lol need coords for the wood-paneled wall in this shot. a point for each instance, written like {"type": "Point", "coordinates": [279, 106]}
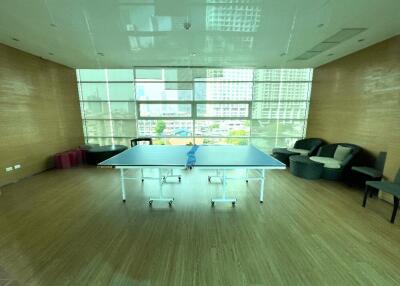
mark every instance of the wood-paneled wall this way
{"type": "Point", "coordinates": [356, 99]}
{"type": "Point", "coordinates": [39, 113]}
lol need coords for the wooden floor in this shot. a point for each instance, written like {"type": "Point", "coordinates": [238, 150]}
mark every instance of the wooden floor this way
{"type": "Point", "coordinates": [71, 228]}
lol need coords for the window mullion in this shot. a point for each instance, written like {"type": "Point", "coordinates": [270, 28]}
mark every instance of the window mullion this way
{"type": "Point", "coordinates": [272, 98]}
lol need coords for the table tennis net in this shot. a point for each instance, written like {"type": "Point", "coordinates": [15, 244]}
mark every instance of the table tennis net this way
{"type": "Point", "coordinates": [191, 157]}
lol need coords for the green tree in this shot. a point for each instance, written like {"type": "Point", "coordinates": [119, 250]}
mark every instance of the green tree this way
{"type": "Point", "coordinates": [160, 127]}
{"type": "Point", "coordinates": [214, 126]}
{"type": "Point", "coordinates": [158, 141]}
{"type": "Point", "coordinates": [237, 141]}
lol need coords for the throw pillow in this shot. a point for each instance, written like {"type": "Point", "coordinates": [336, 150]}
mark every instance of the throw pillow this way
{"type": "Point", "coordinates": [341, 152]}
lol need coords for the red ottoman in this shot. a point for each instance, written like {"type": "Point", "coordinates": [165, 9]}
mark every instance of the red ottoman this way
{"type": "Point", "coordinates": [79, 156]}
{"type": "Point", "coordinates": [62, 161]}
{"type": "Point", "coordinates": [72, 157]}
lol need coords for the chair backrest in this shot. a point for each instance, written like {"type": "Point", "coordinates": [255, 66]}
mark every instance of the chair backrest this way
{"type": "Point", "coordinates": [397, 178]}
{"type": "Point", "coordinates": [380, 161]}
{"type": "Point", "coordinates": [141, 140]}
{"type": "Point", "coordinates": [329, 151]}
{"type": "Point", "coordinates": [310, 144]}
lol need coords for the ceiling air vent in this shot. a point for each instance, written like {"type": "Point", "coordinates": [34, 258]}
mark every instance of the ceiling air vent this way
{"type": "Point", "coordinates": [330, 42]}
{"type": "Point", "coordinates": [307, 55]}
{"type": "Point", "coordinates": [345, 34]}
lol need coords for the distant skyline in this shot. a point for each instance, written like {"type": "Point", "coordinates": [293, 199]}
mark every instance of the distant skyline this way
{"type": "Point", "coordinates": [273, 104]}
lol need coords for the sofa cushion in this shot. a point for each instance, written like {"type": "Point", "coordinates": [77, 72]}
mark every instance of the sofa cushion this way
{"type": "Point", "coordinates": [300, 151]}
{"type": "Point", "coordinates": [341, 152]}
{"type": "Point", "coordinates": [328, 162]}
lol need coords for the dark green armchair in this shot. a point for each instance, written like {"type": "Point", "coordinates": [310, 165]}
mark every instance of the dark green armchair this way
{"type": "Point", "coordinates": [336, 161]}
{"type": "Point", "coordinates": [309, 144]}
{"type": "Point", "coordinates": [306, 147]}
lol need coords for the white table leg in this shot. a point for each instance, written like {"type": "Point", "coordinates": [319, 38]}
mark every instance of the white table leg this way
{"type": "Point", "coordinates": [217, 175]}
{"type": "Point", "coordinates": [262, 186]}
{"type": "Point", "coordinates": [161, 197]}
{"type": "Point", "coordinates": [223, 185]}
{"type": "Point", "coordinates": [224, 191]}
{"type": "Point", "coordinates": [123, 185]}
{"type": "Point", "coordinates": [160, 182]}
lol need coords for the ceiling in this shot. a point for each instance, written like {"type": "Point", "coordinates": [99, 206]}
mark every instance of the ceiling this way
{"type": "Point", "coordinates": [227, 33]}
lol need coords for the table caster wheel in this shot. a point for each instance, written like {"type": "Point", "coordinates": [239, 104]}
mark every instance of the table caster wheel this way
{"type": "Point", "coordinates": [179, 178]}
{"type": "Point", "coordinates": [150, 203]}
{"type": "Point", "coordinates": [123, 201]}
{"type": "Point", "coordinates": [212, 204]}
{"type": "Point", "coordinates": [261, 202]}
{"type": "Point", "coordinates": [142, 180]}
{"type": "Point", "coordinates": [170, 204]}
{"type": "Point", "coordinates": [209, 179]}
{"type": "Point", "coordinates": [247, 181]}
{"type": "Point", "coordinates": [233, 204]}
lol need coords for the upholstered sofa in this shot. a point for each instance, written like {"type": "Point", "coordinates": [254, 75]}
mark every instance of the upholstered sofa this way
{"type": "Point", "coordinates": [305, 147]}
{"type": "Point", "coordinates": [336, 159]}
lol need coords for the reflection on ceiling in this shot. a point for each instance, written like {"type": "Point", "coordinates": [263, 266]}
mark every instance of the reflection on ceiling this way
{"type": "Point", "coordinates": [220, 33]}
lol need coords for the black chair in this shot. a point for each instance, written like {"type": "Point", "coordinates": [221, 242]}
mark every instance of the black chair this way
{"type": "Point", "coordinates": [98, 154]}
{"type": "Point", "coordinates": [328, 151]}
{"type": "Point", "coordinates": [310, 144]}
{"type": "Point", "coordinates": [375, 172]}
{"type": "Point", "coordinates": [307, 147]}
{"type": "Point", "coordinates": [387, 187]}
{"type": "Point", "coordinates": [141, 140]}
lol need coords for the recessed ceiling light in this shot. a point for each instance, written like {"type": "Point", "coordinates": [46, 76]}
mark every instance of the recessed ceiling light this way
{"type": "Point", "coordinates": [320, 25]}
{"type": "Point", "coordinates": [101, 54]}
{"type": "Point", "coordinates": [15, 39]}
{"type": "Point", "coordinates": [361, 40]}
{"type": "Point", "coordinates": [330, 55]}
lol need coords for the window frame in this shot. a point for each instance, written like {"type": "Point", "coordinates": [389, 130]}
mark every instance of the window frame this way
{"type": "Point", "coordinates": [279, 77]}
{"type": "Point", "coordinates": [169, 102]}
{"type": "Point", "coordinates": [194, 105]}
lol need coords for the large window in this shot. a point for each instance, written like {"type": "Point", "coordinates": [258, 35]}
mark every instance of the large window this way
{"type": "Point", "coordinates": [264, 107]}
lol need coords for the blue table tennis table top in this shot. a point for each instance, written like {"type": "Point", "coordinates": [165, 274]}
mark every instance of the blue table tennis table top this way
{"type": "Point", "coordinates": [212, 156]}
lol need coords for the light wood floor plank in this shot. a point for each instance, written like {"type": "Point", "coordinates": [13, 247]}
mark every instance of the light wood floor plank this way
{"type": "Point", "coordinates": [70, 228]}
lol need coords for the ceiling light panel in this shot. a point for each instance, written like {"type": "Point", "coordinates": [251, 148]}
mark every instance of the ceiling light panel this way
{"type": "Point", "coordinates": [232, 17]}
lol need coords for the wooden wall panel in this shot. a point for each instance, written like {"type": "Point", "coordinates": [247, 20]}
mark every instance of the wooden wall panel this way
{"type": "Point", "coordinates": [356, 99]}
{"type": "Point", "coordinates": [39, 113]}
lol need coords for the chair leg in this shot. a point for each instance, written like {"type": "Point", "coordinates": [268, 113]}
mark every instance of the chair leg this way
{"type": "Point", "coordinates": [374, 191]}
{"type": "Point", "coordinates": [365, 196]}
{"type": "Point", "coordinates": [395, 207]}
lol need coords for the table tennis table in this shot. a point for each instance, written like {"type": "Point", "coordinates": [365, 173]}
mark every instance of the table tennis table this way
{"type": "Point", "coordinates": [167, 159]}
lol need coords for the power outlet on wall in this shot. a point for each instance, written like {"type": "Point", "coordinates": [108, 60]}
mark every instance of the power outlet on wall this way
{"type": "Point", "coordinates": [8, 169]}
{"type": "Point", "coordinates": [17, 166]}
